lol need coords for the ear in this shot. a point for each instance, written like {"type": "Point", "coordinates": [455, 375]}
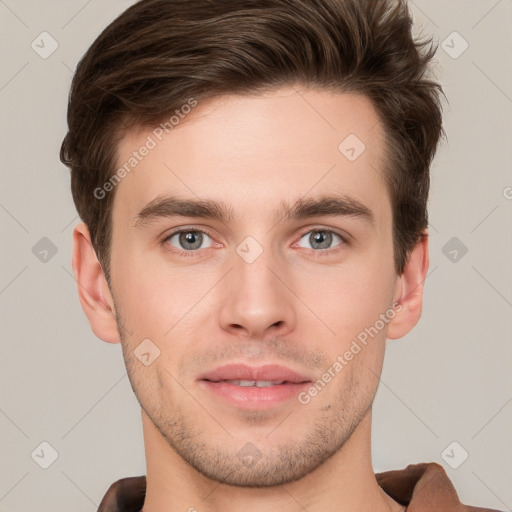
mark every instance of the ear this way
{"type": "Point", "coordinates": [409, 291]}
{"type": "Point", "coordinates": [93, 291]}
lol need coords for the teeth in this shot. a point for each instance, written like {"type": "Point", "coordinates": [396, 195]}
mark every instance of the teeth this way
{"type": "Point", "coordinates": [256, 383]}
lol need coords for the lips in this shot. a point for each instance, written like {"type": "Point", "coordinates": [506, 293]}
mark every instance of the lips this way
{"type": "Point", "coordinates": [259, 388]}
{"type": "Point", "coordinates": [255, 383]}
{"type": "Point", "coordinates": [255, 376]}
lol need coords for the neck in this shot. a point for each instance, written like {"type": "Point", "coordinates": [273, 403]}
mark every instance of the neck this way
{"type": "Point", "coordinates": [345, 482]}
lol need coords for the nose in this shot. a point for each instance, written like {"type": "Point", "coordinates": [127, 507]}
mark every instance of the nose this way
{"type": "Point", "coordinates": [257, 301]}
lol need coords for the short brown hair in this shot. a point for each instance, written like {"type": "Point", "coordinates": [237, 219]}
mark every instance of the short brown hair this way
{"type": "Point", "coordinates": [160, 53]}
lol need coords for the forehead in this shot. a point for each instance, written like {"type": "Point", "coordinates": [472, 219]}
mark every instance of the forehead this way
{"type": "Point", "coordinates": [253, 150]}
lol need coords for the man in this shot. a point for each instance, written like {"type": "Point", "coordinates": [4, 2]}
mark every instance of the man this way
{"type": "Point", "coordinates": [252, 179]}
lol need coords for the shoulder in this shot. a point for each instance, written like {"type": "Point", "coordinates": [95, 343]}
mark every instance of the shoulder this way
{"type": "Point", "coordinates": [425, 486]}
{"type": "Point", "coordinates": [125, 494]}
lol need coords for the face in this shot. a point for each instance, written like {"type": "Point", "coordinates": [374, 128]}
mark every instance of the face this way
{"type": "Point", "coordinates": [283, 286]}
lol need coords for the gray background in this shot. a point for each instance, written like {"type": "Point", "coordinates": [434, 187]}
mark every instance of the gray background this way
{"type": "Point", "coordinates": [449, 380]}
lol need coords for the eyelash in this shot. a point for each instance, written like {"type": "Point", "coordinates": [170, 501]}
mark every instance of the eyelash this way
{"type": "Point", "coordinates": [320, 253]}
{"type": "Point", "coordinates": [317, 253]}
{"type": "Point", "coordinates": [179, 252]}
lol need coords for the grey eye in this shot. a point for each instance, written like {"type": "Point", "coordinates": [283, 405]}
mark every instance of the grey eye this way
{"type": "Point", "coordinates": [189, 240]}
{"type": "Point", "coordinates": [320, 239]}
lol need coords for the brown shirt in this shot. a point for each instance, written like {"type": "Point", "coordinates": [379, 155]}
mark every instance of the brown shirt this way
{"type": "Point", "coordinates": [422, 487]}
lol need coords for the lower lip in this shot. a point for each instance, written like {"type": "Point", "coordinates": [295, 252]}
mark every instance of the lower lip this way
{"type": "Point", "coordinates": [252, 397]}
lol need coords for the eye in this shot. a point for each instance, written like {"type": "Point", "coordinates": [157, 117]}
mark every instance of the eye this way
{"type": "Point", "coordinates": [320, 239]}
{"type": "Point", "coordinates": [188, 240]}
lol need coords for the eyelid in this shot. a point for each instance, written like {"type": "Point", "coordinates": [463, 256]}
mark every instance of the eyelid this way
{"type": "Point", "coordinates": [181, 229]}
{"type": "Point", "coordinates": [185, 229]}
{"type": "Point", "coordinates": [345, 238]}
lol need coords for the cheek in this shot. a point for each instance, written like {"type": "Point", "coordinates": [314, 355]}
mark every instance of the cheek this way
{"type": "Point", "coordinates": [153, 298]}
{"type": "Point", "coordinates": [138, 298]}
{"type": "Point", "coordinates": [348, 298]}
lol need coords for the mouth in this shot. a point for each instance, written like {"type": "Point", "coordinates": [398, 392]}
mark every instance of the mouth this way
{"type": "Point", "coordinates": [254, 383]}
{"type": "Point", "coordinates": [245, 375]}
{"type": "Point", "coordinates": [262, 387]}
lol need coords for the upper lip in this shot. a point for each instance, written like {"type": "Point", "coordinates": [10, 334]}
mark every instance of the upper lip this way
{"type": "Point", "coordinates": [272, 372]}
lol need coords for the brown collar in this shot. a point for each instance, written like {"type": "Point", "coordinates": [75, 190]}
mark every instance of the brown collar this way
{"type": "Point", "coordinates": [423, 487]}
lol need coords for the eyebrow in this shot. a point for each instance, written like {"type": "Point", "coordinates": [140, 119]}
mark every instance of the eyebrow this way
{"type": "Point", "coordinates": [326, 205]}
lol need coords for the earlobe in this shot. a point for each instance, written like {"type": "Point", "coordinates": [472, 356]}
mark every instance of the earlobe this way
{"type": "Point", "coordinates": [93, 291]}
{"type": "Point", "coordinates": [411, 296]}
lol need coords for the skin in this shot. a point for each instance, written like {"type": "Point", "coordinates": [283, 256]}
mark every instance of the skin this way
{"type": "Point", "coordinates": [289, 306]}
